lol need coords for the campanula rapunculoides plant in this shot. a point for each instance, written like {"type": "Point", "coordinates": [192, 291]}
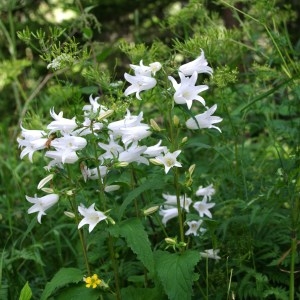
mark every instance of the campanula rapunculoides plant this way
{"type": "Point", "coordinates": [93, 150]}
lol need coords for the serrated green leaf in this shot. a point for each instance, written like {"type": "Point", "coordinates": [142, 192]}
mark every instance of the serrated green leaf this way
{"type": "Point", "coordinates": [176, 272]}
{"type": "Point", "coordinates": [79, 293]}
{"type": "Point", "coordinates": [63, 277]}
{"type": "Point", "coordinates": [26, 292]}
{"type": "Point", "coordinates": [141, 293]}
{"type": "Point", "coordinates": [137, 239]}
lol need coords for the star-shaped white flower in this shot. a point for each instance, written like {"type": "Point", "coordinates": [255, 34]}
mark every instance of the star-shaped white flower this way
{"type": "Point", "coordinates": [211, 253]}
{"type": "Point", "coordinates": [199, 65]}
{"type": "Point", "coordinates": [169, 160]}
{"type": "Point", "coordinates": [60, 123]}
{"type": "Point", "coordinates": [90, 216]}
{"type": "Point", "coordinates": [194, 228]}
{"type": "Point", "coordinates": [139, 83]}
{"type": "Point", "coordinates": [203, 208]}
{"type": "Point", "coordinates": [204, 120]}
{"type": "Point", "coordinates": [187, 91]}
{"type": "Point", "coordinates": [40, 205]}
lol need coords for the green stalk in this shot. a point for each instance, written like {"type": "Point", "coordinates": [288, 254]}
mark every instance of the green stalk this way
{"type": "Point", "coordinates": [80, 232]}
{"type": "Point", "coordinates": [180, 216]}
{"type": "Point", "coordinates": [292, 267]}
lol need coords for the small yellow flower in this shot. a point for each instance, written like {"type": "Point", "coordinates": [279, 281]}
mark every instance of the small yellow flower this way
{"type": "Point", "coordinates": [92, 281]}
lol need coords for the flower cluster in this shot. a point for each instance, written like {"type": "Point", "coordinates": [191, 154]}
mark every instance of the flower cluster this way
{"type": "Point", "coordinates": [118, 142]}
{"type": "Point", "coordinates": [169, 209]}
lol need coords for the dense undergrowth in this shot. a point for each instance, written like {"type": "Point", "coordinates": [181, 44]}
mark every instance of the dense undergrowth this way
{"type": "Point", "coordinates": [253, 164]}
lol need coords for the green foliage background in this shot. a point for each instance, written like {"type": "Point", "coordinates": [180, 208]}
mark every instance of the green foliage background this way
{"type": "Point", "coordinates": [254, 49]}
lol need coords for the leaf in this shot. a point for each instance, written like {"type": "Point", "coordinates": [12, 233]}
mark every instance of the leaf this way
{"type": "Point", "coordinates": [63, 277]}
{"type": "Point", "coordinates": [141, 293]}
{"type": "Point", "coordinates": [176, 272]}
{"type": "Point", "coordinates": [150, 184]}
{"type": "Point", "coordinates": [137, 239]}
{"type": "Point", "coordinates": [26, 292]}
{"type": "Point", "coordinates": [79, 293]}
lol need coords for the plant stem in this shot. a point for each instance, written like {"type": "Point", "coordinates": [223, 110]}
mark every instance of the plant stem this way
{"type": "Point", "coordinates": [292, 267]}
{"type": "Point", "coordinates": [115, 266]}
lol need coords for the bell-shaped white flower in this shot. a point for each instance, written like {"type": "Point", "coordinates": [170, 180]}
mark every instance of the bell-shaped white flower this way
{"type": "Point", "coordinates": [194, 228]}
{"type": "Point", "coordinates": [139, 83]}
{"type": "Point", "coordinates": [67, 145]}
{"type": "Point", "coordinates": [31, 141]}
{"type": "Point", "coordinates": [169, 160]}
{"type": "Point", "coordinates": [93, 173]}
{"type": "Point", "coordinates": [146, 70]}
{"type": "Point", "coordinates": [186, 91]}
{"type": "Point", "coordinates": [168, 214]}
{"type": "Point", "coordinates": [211, 253]}
{"type": "Point", "coordinates": [91, 216]}
{"type": "Point", "coordinates": [61, 124]}
{"type": "Point", "coordinates": [40, 205]}
{"type": "Point", "coordinates": [202, 207]}
{"type": "Point", "coordinates": [206, 192]}
{"type": "Point", "coordinates": [204, 120]}
{"type": "Point", "coordinates": [199, 65]}
{"type": "Point", "coordinates": [112, 149]}
{"type": "Point", "coordinates": [133, 154]}
{"type": "Point", "coordinates": [171, 200]}
{"type": "Point", "coordinates": [60, 157]}
{"type": "Point", "coordinates": [156, 150]}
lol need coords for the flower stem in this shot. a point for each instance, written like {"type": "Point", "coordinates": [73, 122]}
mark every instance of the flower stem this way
{"type": "Point", "coordinates": [180, 216]}
{"type": "Point", "coordinates": [292, 266]}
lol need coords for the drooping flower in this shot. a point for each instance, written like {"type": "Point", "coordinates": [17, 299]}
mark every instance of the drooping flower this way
{"type": "Point", "coordinates": [93, 174]}
{"type": "Point", "coordinates": [194, 228]}
{"type": "Point", "coordinates": [67, 145]}
{"type": "Point", "coordinates": [204, 120]}
{"type": "Point", "coordinates": [139, 83]}
{"type": "Point", "coordinates": [186, 91]}
{"type": "Point", "coordinates": [203, 208]}
{"type": "Point", "coordinates": [168, 214]}
{"type": "Point", "coordinates": [199, 65]}
{"type": "Point", "coordinates": [61, 124]}
{"type": "Point", "coordinates": [112, 149]}
{"type": "Point", "coordinates": [169, 160]}
{"type": "Point", "coordinates": [133, 154]}
{"type": "Point", "coordinates": [211, 253]}
{"type": "Point", "coordinates": [146, 70]}
{"type": "Point", "coordinates": [92, 281]}
{"type": "Point", "coordinates": [59, 158]}
{"type": "Point", "coordinates": [206, 192]}
{"type": "Point", "coordinates": [171, 200]}
{"type": "Point", "coordinates": [156, 150]}
{"type": "Point", "coordinates": [31, 141]}
{"type": "Point", "coordinates": [90, 216]}
{"type": "Point", "coordinates": [41, 204]}
{"type": "Point", "coordinates": [128, 121]}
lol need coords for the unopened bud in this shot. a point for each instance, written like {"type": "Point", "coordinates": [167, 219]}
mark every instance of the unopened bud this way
{"type": "Point", "coordinates": [176, 120]}
{"type": "Point", "coordinates": [150, 210]}
{"type": "Point", "coordinates": [69, 193]}
{"type": "Point", "coordinates": [122, 164]}
{"type": "Point", "coordinates": [184, 140]}
{"type": "Point", "coordinates": [154, 125]}
{"type": "Point", "coordinates": [155, 161]}
{"type": "Point", "coordinates": [191, 169]}
{"type": "Point", "coordinates": [44, 181]}
{"type": "Point", "coordinates": [111, 188]}
{"type": "Point", "coordinates": [69, 214]}
{"type": "Point", "coordinates": [47, 190]}
{"type": "Point", "coordinates": [105, 114]}
{"type": "Point", "coordinates": [171, 241]}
